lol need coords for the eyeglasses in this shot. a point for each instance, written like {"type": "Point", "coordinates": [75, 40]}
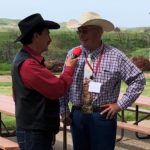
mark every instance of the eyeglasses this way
{"type": "Point", "coordinates": [85, 31]}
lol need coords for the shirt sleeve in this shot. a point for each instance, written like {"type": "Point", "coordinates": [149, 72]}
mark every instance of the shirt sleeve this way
{"type": "Point", "coordinates": [135, 80]}
{"type": "Point", "coordinates": [39, 78]}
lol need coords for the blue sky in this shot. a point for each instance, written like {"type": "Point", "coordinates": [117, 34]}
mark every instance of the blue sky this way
{"type": "Point", "coordinates": [123, 13]}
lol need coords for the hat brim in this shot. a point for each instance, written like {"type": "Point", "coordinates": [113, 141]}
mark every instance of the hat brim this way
{"type": "Point", "coordinates": [45, 23]}
{"type": "Point", "coordinates": [104, 24]}
{"type": "Point", "coordinates": [51, 25]}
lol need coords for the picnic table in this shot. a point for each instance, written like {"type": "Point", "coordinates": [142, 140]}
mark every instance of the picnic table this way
{"type": "Point", "coordinates": [138, 109]}
{"type": "Point", "coordinates": [7, 107]}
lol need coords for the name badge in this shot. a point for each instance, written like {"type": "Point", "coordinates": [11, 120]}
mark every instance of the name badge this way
{"type": "Point", "coordinates": [94, 87]}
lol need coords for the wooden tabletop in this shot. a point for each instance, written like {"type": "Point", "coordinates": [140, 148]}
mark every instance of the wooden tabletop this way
{"type": "Point", "coordinates": [7, 105]}
{"type": "Point", "coordinates": [142, 100]}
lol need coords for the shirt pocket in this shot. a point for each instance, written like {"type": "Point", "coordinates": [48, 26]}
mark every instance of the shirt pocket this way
{"type": "Point", "coordinates": [108, 76]}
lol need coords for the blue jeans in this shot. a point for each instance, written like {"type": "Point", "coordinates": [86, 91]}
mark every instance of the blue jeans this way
{"type": "Point", "coordinates": [34, 139]}
{"type": "Point", "coordinates": [93, 131]}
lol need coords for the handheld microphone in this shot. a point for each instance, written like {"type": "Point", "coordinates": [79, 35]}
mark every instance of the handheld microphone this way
{"type": "Point", "coordinates": [76, 52]}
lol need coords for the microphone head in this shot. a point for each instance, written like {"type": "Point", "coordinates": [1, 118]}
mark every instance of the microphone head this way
{"type": "Point", "coordinates": [76, 52]}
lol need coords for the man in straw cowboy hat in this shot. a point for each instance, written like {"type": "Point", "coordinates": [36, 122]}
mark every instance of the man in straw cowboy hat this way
{"type": "Point", "coordinates": [35, 88]}
{"type": "Point", "coordinates": [96, 86]}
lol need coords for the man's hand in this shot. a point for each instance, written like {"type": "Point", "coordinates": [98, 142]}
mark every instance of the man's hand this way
{"type": "Point", "coordinates": [110, 110]}
{"type": "Point", "coordinates": [71, 62]}
{"type": "Point", "coordinates": [66, 118]}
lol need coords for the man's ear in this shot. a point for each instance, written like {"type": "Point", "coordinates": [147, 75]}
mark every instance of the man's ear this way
{"type": "Point", "coordinates": [35, 35]}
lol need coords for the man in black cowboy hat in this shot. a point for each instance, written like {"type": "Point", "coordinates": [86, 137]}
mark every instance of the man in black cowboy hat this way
{"type": "Point", "coordinates": [36, 89]}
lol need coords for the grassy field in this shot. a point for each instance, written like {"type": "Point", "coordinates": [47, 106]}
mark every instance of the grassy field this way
{"type": "Point", "coordinates": [63, 40]}
{"type": "Point", "coordinates": [5, 88]}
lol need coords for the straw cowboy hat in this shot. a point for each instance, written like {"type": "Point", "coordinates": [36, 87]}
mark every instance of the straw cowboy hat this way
{"type": "Point", "coordinates": [92, 18]}
{"type": "Point", "coordinates": [30, 22]}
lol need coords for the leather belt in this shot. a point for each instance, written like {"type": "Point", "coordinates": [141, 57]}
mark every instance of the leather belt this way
{"type": "Point", "coordinates": [88, 109]}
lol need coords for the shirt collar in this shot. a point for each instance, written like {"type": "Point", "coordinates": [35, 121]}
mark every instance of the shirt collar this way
{"type": "Point", "coordinates": [34, 54]}
{"type": "Point", "coordinates": [94, 54]}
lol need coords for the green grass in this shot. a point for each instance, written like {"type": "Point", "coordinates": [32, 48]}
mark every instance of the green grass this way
{"type": "Point", "coordinates": [5, 72]}
{"type": "Point", "coordinates": [63, 40]}
{"type": "Point", "coordinates": [146, 91]}
{"type": "Point", "coordinates": [6, 88]}
{"type": "Point", "coordinates": [130, 116]}
{"type": "Point", "coordinates": [5, 67]}
{"type": "Point", "coordinates": [9, 121]}
{"type": "Point", "coordinates": [145, 52]}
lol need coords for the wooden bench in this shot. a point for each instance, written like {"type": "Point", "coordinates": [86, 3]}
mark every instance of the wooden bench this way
{"type": "Point", "coordinates": [6, 144]}
{"type": "Point", "coordinates": [7, 107]}
{"type": "Point", "coordinates": [137, 108]}
{"type": "Point", "coordinates": [133, 127]}
{"type": "Point", "coordinates": [123, 125]}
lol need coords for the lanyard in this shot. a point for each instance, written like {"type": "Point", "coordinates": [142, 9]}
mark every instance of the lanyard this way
{"type": "Point", "coordinates": [98, 63]}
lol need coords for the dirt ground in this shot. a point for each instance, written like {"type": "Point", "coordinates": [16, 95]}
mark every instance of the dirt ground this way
{"type": "Point", "coordinates": [5, 78]}
{"type": "Point", "coordinates": [129, 142]}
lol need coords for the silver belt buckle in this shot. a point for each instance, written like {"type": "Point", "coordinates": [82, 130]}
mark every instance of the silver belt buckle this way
{"type": "Point", "coordinates": [88, 109]}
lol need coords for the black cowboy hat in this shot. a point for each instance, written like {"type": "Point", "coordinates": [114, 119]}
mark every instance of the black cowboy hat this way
{"type": "Point", "coordinates": [28, 23]}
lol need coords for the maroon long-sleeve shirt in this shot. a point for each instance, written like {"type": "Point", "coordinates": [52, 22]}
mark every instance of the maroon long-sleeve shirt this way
{"type": "Point", "coordinates": [37, 77]}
